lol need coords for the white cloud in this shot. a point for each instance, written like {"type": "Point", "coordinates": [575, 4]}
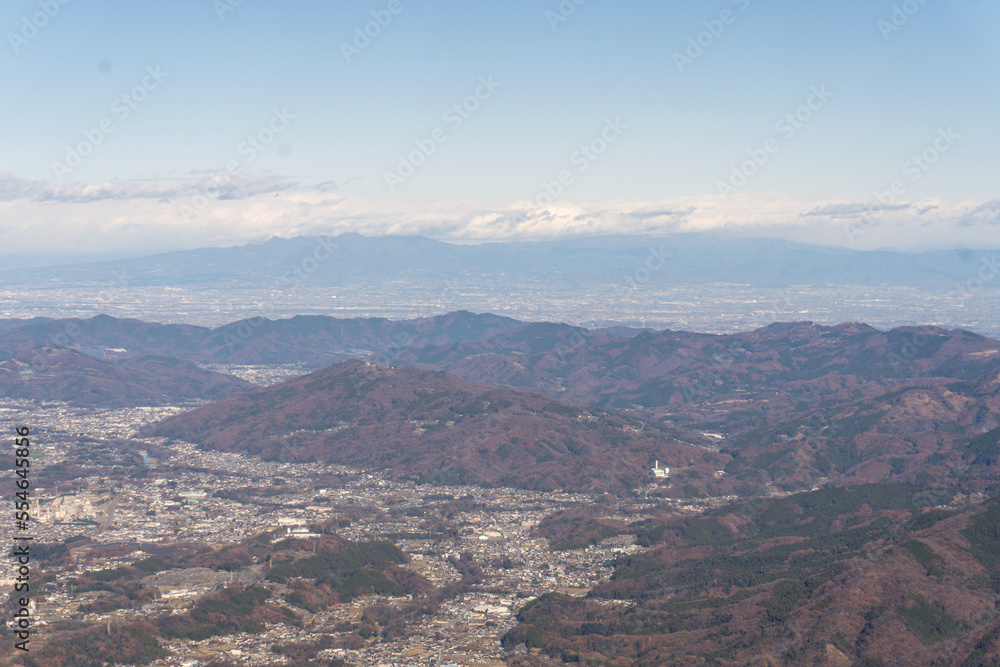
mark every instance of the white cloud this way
{"type": "Point", "coordinates": [144, 216]}
{"type": "Point", "coordinates": [238, 186]}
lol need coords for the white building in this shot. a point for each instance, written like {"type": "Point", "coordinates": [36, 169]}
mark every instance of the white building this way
{"type": "Point", "coordinates": [297, 533]}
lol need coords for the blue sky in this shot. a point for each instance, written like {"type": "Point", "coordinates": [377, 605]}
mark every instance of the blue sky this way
{"type": "Point", "coordinates": [893, 88]}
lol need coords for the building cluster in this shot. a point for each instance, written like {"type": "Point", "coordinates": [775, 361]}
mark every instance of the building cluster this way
{"type": "Point", "coordinates": [186, 495]}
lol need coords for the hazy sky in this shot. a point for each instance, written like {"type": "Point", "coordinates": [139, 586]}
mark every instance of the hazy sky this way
{"type": "Point", "coordinates": [775, 117]}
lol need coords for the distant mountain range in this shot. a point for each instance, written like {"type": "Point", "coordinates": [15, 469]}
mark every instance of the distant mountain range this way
{"type": "Point", "coordinates": [679, 259]}
{"type": "Point", "coordinates": [696, 282]}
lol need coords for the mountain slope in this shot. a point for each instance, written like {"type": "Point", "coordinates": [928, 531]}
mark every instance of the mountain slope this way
{"type": "Point", "coordinates": [688, 258]}
{"type": "Point", "coordinates": [316, 341]}
{"type": "Point", "coordinates": [679, 374]}
{"type": "Point", "coordinates": [100, 333]}
{"type": "Point", "coordinates": [862, 576]}
{"type": "Point", "coordinates": [796, 404]}
{"type": "Point", "coordinates": [434, 426]}
{"type": "Point", "coordinates": [50, 374]}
